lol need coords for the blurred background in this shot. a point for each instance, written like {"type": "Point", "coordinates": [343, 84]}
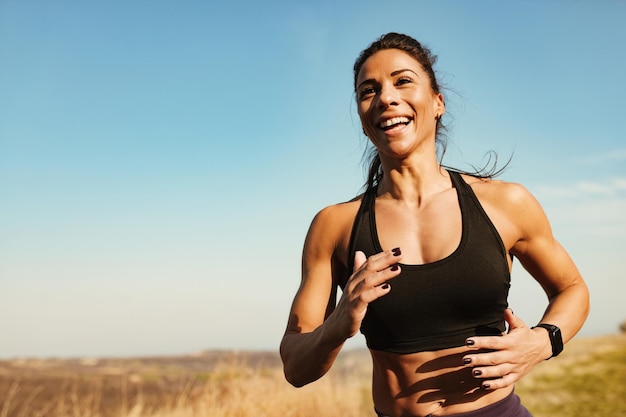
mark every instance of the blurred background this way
{"type": "Point", "coordinates": [161, 161]}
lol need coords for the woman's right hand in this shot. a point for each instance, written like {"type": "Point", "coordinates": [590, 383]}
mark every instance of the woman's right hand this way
{"type": "Point", "coordinates": [369, 281]}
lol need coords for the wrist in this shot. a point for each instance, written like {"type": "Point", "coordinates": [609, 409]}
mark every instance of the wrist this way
{"type": "Point", "coordinates": [554, 335]}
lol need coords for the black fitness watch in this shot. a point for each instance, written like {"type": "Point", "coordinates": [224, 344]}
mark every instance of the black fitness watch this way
{"type": "Point", "coordinates": [556, 340]}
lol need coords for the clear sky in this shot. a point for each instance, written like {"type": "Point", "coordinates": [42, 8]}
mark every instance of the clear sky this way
{"type": "Point", "coordinates": [160, 161]}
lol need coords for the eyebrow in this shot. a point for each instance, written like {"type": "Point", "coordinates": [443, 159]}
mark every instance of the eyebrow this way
{"type": "Point", "coordinates": [393, 74]}
{"type": "Point", "coordinates": [396, 72]}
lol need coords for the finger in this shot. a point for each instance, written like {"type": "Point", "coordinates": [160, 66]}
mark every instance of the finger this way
{"type": "Point", "coordinates": [359, 260]}
{"type": "Point", "coordinates": [486, 342]}
{"type": "Point", "coordinates": [512, 320]}
{"type": "Point", "coordinates": [376, 292]}
{"type": "Point", "coordinates": [505, 381]}
{"type": "Point", "coordinates": [493, 358]}
{"type": "Point", "coordinates": [384, 260]}
{"type": "Point", "coordinates": [375, 270]}
{"type": "Point", "coordinates": [378, 283]}
{"type": "Point", "coordinates": [492, 372]}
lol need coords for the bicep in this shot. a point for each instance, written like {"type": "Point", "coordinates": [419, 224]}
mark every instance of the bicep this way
{"type": "Point", "coordinates": [549, 263]}
{"type": "Point", "coordinates": [316, 296]}
{"type": "Point", "coordinates": [312, 304]}
{"type": "Point", "coordinates": [539, 252]}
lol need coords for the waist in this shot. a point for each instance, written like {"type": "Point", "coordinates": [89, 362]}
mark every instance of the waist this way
{"type": "Point", "coordinates": [510, 406]}
{"type": "Point", "coordinates": [431, 382]}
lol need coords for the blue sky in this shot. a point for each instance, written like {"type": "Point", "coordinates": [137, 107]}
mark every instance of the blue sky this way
{"type": "Point", "coordinates": [160, 161]}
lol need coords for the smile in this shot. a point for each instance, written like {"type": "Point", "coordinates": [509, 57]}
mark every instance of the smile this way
{"type": "Point", "coordinates": [394, 121]}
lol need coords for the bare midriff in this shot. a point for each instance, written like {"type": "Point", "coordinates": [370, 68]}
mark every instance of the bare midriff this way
{"type": "Point", "coordinates": [423, 383]}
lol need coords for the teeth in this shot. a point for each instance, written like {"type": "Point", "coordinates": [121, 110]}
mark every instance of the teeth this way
{"type": "Point", "coordinates": [394, 121]}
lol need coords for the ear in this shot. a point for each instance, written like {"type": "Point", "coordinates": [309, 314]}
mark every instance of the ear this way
{"type": "Point", "coordinates": [439, 106]}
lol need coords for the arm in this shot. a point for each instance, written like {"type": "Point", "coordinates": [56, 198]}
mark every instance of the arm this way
{"type": "Point", "coordinates": [548, 262]}
{"type": "Point", "coordinates": [516, 353]}
{"type": "Point", "coordinates": [317, 329]}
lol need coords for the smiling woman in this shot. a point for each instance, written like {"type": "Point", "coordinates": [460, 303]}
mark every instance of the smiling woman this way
{"type": "Point", "coordinates": [423, 260]}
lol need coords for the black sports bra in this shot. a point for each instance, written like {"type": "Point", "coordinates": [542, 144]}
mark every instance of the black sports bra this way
{"type": "Point", "coordinates": [438, 305]}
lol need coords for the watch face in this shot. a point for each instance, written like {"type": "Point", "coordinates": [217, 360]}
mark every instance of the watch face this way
{"type": "Point", "coordinates": [556, 340]}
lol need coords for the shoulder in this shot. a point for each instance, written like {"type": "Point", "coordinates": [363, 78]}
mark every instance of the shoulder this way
{"type": "Point", "coordinates": [512, 207]}
{"type": "Point", "coordinates": [331, 227]}
{"type": "Point", "coordinates": [505, 195]}
{"type": "Point", "coordinates": [336, 214]}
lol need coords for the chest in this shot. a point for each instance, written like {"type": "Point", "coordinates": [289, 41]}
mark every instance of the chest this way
{"type": "Point", "coordinates": [426, 233]}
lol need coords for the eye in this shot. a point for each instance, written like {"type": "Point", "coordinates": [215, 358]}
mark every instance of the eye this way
{"type": "Point", "coordinates": [366, 91]}
{"type": "Point", "coordinates": [404, 80]}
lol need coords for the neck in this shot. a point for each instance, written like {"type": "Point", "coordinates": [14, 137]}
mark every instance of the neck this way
{"type": "Point", "coordinates": [412, 181]}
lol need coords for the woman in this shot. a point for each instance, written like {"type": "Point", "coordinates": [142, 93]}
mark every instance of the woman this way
{"type": "Point", "coordinates": [423, 259]}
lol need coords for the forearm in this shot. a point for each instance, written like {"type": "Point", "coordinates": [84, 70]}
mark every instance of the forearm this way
{"type": "Point", "coordinates": [568, 309]}
{"type": "Point", "coordinates": [308, 356]}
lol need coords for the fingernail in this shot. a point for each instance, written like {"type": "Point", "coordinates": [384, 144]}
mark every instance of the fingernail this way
{"type": "Point", "coordinates": [396, 251]}
{"type": "Point", "coordinates": [394, 268]}
{"type": "Point", "coordinates": [385, 286]}
{"type": "Point", "coordinates": [485, 386]}
{"type": "Point", "coordinates": [477, 372]}
{"type": "Point", "coordinates": [469, 342]}
{"type": "Point", "coordinates": [467, 361]}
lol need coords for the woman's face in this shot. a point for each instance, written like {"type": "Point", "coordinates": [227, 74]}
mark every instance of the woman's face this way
{"type": "Point", "coordinates": [396, 103]}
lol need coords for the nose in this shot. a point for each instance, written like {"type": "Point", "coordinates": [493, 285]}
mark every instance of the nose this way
{"type": "Point", "coordinates": [388, 96]}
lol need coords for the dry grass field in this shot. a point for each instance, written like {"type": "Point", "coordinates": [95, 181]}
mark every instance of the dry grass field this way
{"type": "Point", "coordinates": [589, 378]}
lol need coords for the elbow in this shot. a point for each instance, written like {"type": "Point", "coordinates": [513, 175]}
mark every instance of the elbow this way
{"type": "Point", "coordinates": [294, 380]}
{"type": "Point", "coordinates": [292, 376]}
{"type": "Point", "coordinates": [299, 377]}
{"type": "Point", "coordinates": [582, 301]}
{"type": "Point", "coordinates": [293, 370]}
{"type": "Point", "coordinates": [288, 369]}
{"type": "Point", "coordinates": [585, 300]}
{"type": "Point", "coordinates": [587, 303]}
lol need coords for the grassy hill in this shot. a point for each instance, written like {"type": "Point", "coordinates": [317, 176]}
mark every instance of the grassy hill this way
{"type": "Point", "coordinates": [587, 379]}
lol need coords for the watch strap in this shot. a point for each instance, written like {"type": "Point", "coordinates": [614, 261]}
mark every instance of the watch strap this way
{"type": "Point", "coordinates": [556, 340]}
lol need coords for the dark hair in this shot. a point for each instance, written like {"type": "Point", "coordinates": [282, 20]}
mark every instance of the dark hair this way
{"type": "Point", "coordinates": [427, 60]}
{"type": "Point", "coordinates": [404, 43]}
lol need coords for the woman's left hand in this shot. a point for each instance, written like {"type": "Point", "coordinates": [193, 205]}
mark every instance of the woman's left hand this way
{"type": "Point", "coordinates": [510, 356]}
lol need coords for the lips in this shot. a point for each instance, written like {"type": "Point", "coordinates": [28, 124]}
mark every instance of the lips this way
{"type": "Point", "coordinates": [389, 124]}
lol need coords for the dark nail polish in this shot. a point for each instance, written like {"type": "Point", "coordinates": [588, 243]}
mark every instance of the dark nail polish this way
{"type": "Point", "coordinates": [477, 372]}
{"type": "Point", "coordinates": [385, 286]}
{"type": "Point", "coordinates": [394, 268]}
{"type": "Point", "coordinates": [469, 342]}
{"type": "Point", "coordinates": [485, 386]}
{"type": "Point", "coordinates": [467, 361]}
{"type": "Point", "coordinates": [396, 251]}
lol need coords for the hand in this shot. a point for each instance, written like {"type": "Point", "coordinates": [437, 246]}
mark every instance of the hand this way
{"type": "Point", "coordinates": [368, 283]}
{"type": "Point", "coordinates": [510, 356]}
